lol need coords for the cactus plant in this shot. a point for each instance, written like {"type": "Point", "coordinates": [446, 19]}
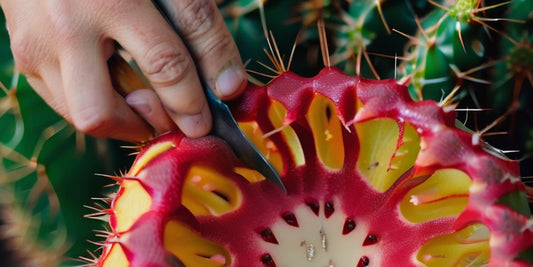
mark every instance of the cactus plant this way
{"type": "Point", "coordinates": [471, 53]}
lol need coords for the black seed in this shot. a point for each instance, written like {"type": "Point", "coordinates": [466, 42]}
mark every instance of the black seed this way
{"type": "Point", "coordinates": [328, 209]}
{"type": "Point", "coordinates": [267, 235]}
{"type": "Point", "coordinates": [349, 225]}
{"type": "Point", "coordinates": [328, 113]}
{"type": "Point", "coordinates": [290, 219]}
{"type": "Point", "coordinates": [364, 261]}
{"type": "Point", "coordinates": [370, 240]}
{"type": "Point", "coordinates": [221, 195]}
{"type": "Point", "coordinates": [373, 165]}
{"type": "Point", "coordinates": [267, 260]}
{"type": "Point", "coordinates": [171, 260]}
{"type": "Point", "coordinates": [206, 256]}
{"type": "Point", "coordinates": [314, 206]}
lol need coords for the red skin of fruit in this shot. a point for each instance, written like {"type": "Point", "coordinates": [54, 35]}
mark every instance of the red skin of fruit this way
{"type": "Point", "coordinates": [264, 203]}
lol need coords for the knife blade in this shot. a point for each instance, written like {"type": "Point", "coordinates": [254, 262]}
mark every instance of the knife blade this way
{"type": "Point", "coordinates": [225, 126]}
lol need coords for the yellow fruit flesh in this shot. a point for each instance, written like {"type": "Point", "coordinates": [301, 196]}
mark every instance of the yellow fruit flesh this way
{"type": "Point", "coordinates": [191, 249]}
{"type": "Point", "coordinates": [466, 247]}
{"type": "Point", "coordinates": [379, 161]}
{"type": "Point", "coordinates": [443, 194]}
{"type": "Point", "coordinates": [116, 257]}
{"type": "Point", "coordinates": [152, 152]}
{"type": "Point", "coordinates": [265, 146]}
{"type": "Point", "coordinates": [327, 132]}
{"type": "Point", "coordinates": [276, 114]}
{"type": "Point", "coordinates": [208, 192]}
{"type": "Point", "coordinates": [131, 204]}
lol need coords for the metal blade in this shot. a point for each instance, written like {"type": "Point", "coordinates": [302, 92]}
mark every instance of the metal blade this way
{"type": "Point", "coordinates": [225, 126]}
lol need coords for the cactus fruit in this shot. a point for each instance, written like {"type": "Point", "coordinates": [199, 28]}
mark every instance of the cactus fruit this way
{"type": "Point", "coordinates": [373, 178]}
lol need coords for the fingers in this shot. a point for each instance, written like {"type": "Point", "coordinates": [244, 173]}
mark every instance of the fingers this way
{"type": "Point", "coordinates": [147, 104]}
{"type": "Point", "coordinates": [51, 78]}
{"type": "Point", "coordinates": [144, 102]}
{"type": "Point", "coordinates": [94, 107]}
{"type": "Point", "coordinates": [165, 61]}
{"type": "Point", "coordinates": [67, 63]}
{"type": "Point", "coordinates": [202, 27]}
{"type": "Point", "coordinates": [168, 64]}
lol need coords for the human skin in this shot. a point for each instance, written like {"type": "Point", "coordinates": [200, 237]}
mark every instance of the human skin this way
{"type": "Point", "coordinates": [63, 47]}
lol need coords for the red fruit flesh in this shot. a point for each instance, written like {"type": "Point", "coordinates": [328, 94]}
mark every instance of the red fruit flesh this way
{"type": "Point", "coordinates": [373, 179]}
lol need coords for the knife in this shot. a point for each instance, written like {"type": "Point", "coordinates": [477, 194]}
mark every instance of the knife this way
{"type": "Point", "coordinates": [226, 128]}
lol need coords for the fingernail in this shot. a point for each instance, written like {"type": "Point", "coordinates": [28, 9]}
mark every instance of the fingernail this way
{"type": "Point", "coordinates": [230, 80]}
{"type": "Point", "coordinates": [140, 104]}
{"type": "Point", "coordinates": [196, 125]}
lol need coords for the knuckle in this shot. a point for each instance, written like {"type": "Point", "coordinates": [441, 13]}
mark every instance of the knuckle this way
{"type": "Point", "coordinates": [217, 46]}
{"type": "Point", "coordinates": [58, 20]}
{"type": "Point", "coordinates": [192, 104]}
{"type": "Point", "coordinates": [196, 17]}
{"type": "Point", "coordinates": [62, 21]}
{"type": "Point", "coordinates": [32, 43]}
{"type": "Point", "coordinates": [166, 65]}
{"type": "Point", "coordinates": [25, 54]}
{"type": "Point", "coordinates": [93, 121]}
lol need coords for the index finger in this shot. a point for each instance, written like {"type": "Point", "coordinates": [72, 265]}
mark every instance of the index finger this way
{"type": "Point", "coordinates": [165, 61]}
{"type": "Point", "coordinates": [202, 27]}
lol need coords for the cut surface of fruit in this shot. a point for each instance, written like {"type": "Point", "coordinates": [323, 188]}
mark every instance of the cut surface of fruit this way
{"type": "Point", "coordinates": [373, 179]}
{"type": "Point", "coordinates": [133, 202]}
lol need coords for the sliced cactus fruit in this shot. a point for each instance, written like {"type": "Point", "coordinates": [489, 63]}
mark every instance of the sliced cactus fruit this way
{"type": "Point", "coordinates": [373, 179]}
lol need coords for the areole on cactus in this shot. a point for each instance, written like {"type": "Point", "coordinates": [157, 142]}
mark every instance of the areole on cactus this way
{"type": "Point", "coordinates": [373, 178]}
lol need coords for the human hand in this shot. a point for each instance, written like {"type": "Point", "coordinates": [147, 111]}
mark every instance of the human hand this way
{"type": "Point", "coordinates": [63, 47]}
